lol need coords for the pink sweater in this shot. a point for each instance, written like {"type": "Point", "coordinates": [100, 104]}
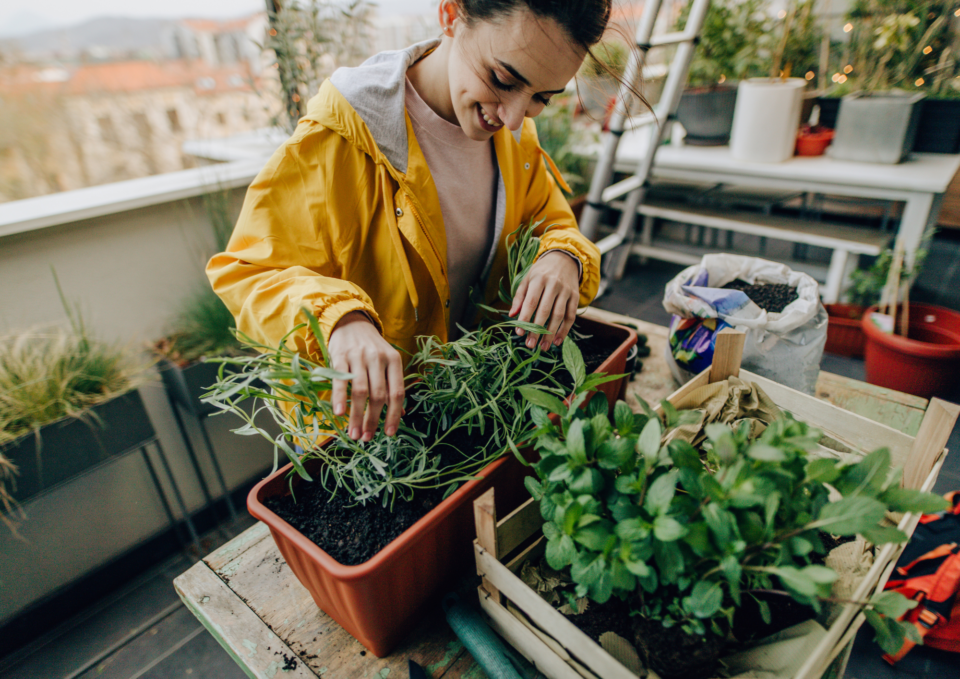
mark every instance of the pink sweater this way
{"type": "Point", "coordinates": [465, 173]}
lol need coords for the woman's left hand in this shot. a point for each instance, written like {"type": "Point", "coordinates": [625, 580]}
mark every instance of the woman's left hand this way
{"type": "Point", "coordinates": [549, 296]}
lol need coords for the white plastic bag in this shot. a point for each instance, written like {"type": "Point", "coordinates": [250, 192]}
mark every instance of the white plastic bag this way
{"type": "Point", "coordinates": [785, 347]}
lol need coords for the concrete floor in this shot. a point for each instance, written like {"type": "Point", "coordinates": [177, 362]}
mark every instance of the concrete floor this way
{"type": "Point", "coordinates": [142, 631]}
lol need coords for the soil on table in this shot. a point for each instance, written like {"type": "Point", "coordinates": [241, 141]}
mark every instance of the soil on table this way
{"type": "Point", "coordinates": [353, 534]}
{"type": "Point", "coordinates": [773, 297]}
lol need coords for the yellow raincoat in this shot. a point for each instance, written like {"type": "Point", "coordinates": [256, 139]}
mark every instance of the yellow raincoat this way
{"type": "Point", "coordinates": [345, 217]}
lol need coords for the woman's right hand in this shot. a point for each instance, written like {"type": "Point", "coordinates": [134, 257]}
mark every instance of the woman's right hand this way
{"type": "Point", "coordinates": [356, 347]}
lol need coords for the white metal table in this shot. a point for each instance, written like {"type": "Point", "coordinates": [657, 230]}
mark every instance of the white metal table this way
{"type": "Point", "coordinates": [920, 182]}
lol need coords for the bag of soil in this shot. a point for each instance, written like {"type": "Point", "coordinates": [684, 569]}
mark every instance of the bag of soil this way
{"type": "Point", "coordinates": [785, 323]}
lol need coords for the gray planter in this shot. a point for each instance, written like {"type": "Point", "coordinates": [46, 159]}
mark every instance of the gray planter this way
{"type": "Point", "coordinates": [71, 446]}
{"type": "Point", "coordinates": [706, 113]}
{"type": "Point", "coordinates": [877, 127]}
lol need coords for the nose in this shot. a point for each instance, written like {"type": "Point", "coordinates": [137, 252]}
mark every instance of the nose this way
{"type": "Point", "coordinates": [511, 112]}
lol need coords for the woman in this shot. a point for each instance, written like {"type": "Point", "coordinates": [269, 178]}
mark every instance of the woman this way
{"type": "Point", "coordinates": [396, 192]}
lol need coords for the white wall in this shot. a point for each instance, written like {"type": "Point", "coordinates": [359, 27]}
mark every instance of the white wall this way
{"type": "Point", "coordinates": [128, 271]}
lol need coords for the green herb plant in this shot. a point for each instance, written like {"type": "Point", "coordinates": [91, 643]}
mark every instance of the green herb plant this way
{"type": "Point", "coordinates": [686, 535]}
{"type": "Point", "coordinates": [463, 396]}
{"type": "Point", "coordinates": [560, 137]}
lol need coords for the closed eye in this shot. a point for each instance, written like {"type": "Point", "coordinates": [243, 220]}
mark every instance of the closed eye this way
{"type": "Point", "coordinates": [499, 84]}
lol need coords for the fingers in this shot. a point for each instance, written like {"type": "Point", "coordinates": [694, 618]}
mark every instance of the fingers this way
{"type": "Point", "coordinates": [358, 396]}
{"type": "Point", "coordinates": [395, 394]}
{"type": "Point", "coordinates": [377, 381]}
{"type": "Point", "coordinates": [545, 314]}
{"type": "Point", "coordinates": [339, 394]}
{"type": "Point", "coordinates": [530, 303]}
{"type": "Point", "coordinates": [569, 317]}
{"type": "Point", "coordinates": [518, 300]}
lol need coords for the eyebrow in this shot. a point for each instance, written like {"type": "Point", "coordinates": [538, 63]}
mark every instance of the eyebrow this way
{"type": "Point", "coordinates": [516, 74]}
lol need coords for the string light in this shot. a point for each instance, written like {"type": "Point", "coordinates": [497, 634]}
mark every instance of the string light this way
{"type": "Point", "coordinates": [847, 28]}
{"type": "Point", "coordinates": [810, 75]}
{"type": "Point", "coordinates": [927, 49]}
{"type": "Point", "coordinates": [919, 82]}
{"type": "Point", "coordinates": [848, 68]}
{"type": "Point", "coordinates": [782, 14]}
{"type": "Point", "coordinates": [957, 13]}
{"type": "Point", "coordinates": [722, 80]}
{"type": "Point", "coordinates": [273, 31]}
{"type": "Point", "coordinates": [835, 77]}
{"type": "Point", "coordinates": [842, 79]}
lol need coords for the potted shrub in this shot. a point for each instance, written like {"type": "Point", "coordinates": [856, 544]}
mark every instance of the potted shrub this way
{"type": "Point", "coordinates": [682, 529]}
{"type": "Point", "coordinates": [767, 112]}
{"type": "Point", "coordinates": [68, 402]}
{"type": "Point", "coordinates": [939, 128]}
{"type": "Point", "coordinates": [878, 122]}
{"type": "Point", "coordinates": [401, 522]}
{"type": "Point", "coordinates": [597, 80]}
{"type": "Point", "coordinates": [564, 140]}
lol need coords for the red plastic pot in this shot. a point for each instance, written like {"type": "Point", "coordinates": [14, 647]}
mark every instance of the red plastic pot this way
{"type": "Point", "coordinates": [379, 601]}
{"type": "Point", "coordinates": [813, 141]}
{"type": "Point", "coordinates": [844, 334]}
{"type": "Point", "coordinates": [926, 363]}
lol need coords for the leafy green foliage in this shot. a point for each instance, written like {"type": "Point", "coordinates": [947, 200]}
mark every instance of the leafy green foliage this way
{"type": "Point", "coordinates": [460, 393]}
{"type": "Point", "coordinates": [867, 284]}
{"type": "Point", "coordinates": [204, 327]}
{"type": "Point", "coordinates": [739, 39]}
{"type": "Point", "coordinates": [685, 534]}
{"type": "Point", "coordinates": [560, 137]}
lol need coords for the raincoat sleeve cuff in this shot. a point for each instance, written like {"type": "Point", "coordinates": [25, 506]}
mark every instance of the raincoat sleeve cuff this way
{"type": "Point", "coordinates": [328, 317]}
{"type": "Point", "coordinates": [573, 257]}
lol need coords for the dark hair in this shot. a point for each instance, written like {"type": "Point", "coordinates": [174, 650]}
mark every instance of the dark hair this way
{"type": "Point", "coordinates": [583, 20]}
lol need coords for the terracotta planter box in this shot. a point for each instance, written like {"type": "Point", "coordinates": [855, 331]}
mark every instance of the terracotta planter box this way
{"type": "Point", "coordinates": [70, 447]}
{"type": "Point", "coordinates": [502, 547]}
{"type": "Point", "coordinates": [926, 362]}
{"type": "Point", "coordinates": [379, 601]}
{"type": "Point", "coordinates": [844, 334]}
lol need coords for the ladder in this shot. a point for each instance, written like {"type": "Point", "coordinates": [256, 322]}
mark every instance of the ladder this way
{"type": "Point", "coordinates": [616, 247]}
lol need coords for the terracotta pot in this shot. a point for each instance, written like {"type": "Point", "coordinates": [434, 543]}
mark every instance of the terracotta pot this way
{"type": "Point", "coordinates": [379, 601]}
{"type": "Point", "coordinates": [813, 141]}
{"type": "Point", "coordinates": [844, 334]}
{"type": "Point", "coordinates": [926, 362]}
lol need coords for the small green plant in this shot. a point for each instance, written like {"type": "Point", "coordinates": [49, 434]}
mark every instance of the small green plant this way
{"type": "Point", "coordinates": [463, 396]}
{"type": "Point", "coordinates": [560, 138]}
{"type": "Point", "coordinates": [685, 535]}
{"type": "Point", "coordinates": [739, 40]}
{"type": "Point", "coordinates": [867, 284]}
{"type": "Point", "coordinates": [609, 58]}
{"type": "Point", "coordinates": [308, 40]}
{"type": "Point", "coordinates": [899, 44]}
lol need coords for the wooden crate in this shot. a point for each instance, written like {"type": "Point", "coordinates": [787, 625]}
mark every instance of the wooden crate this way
{"type": "Point", "coordinates": [497, 541]}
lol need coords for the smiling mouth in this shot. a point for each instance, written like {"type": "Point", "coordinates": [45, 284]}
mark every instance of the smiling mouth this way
{"type": "Point", "coordinates": [488, 123]}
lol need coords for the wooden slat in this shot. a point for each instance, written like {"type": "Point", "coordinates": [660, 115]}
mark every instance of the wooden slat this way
{"type": "Point", "coordinates": [834, 236]}
{"type": "Point", "coordinates": [264, 580]}
{"type": "Point", "coordinates": [534, 551]}
{"type": "Point", "coordinates": [857, 432]}
{"type": "Point", "coordinates": [238, 629]}
{"type": "Point", "coordinates": [701, 380]}
{"type": "Point", "coordinates": [938, 423]}
{"type": "Point", "coordinates": [485, 519]}
{"type": "Point", "coordinates": [903, 412]}
{"type": "Point", "coordinates": [525, 641]}
{"type": "Point", "coordinates": [576, 642]}
{"type": "Point", "coordinates": [727, 354]}
{"type": "Point", "coordinates": [247, 539]}
{"type": "Point", "coordinates": [517, 527]}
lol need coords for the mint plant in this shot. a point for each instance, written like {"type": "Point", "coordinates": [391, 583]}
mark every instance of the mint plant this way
{"type": "Point", "coordinates": [685, 535]}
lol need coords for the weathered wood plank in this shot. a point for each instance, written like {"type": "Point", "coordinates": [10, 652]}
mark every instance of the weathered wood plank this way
{"type": "Point", "coordinates": [938, 423]}
{"type": "Point", "coordinates": [903, 412]}
{"type": "Point", "coordinates": [854, 430]}
{"type": "Point", "coordinates": [516, 527]}
{"type": "Point", "coordinates": [247, 539]}
{"type": "Point", "coordinates": [727, 354]}
{"type": "Point", "coordinates": [258, 650]}
{"type": "Point", "coordinates": [262, 579]}
{"type": "Point", "coordinates": [485, 523]}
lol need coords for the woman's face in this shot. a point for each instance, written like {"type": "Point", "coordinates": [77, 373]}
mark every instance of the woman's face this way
{"type": "Point", "coordinates": [504, 70]}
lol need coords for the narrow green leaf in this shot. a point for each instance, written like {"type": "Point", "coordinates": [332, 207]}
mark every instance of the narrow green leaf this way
{"type": "Point", "coordinates": [851, 515]}
{"type": "Point", "coordinates": [910, 500]}
{"type": "Point", "coordinates": [543, 399]}
{"type": "Point", "coordinates": [648, 445]}
{"type": "Point", "coordinates": [573, 360]}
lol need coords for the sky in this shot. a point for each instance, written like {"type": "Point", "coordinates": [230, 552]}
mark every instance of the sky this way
{"type": "Point", "coordinates": [17, 16]}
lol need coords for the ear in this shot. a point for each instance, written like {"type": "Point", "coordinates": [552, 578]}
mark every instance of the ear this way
{"type": "Point", "coordinates": [449, 13]}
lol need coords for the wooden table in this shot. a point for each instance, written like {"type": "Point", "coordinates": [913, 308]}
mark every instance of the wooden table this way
{"type": "Point", "coordinates": [246, 596]}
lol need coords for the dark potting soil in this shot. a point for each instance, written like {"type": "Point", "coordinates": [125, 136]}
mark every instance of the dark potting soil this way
{"type": "Point", "coordinates": [774, 297]}
{"type": "Point", "coordinates": [672, 653]}
{"type": "Point", "coordinates": [748, 624]}
{"type": "Point", "coordinates": [353, 534]}
{"type": "Point", "coordinates": [613, 616]}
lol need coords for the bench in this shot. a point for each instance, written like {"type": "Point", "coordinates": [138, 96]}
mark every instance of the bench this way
{"type": "Point", "coordinates": [842, 239]}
